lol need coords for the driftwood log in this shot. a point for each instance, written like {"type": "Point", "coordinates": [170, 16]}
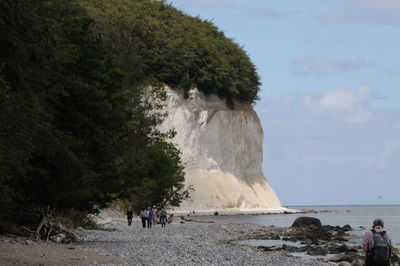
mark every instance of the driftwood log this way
{"type": "Point", "coordinates": [42, 226]}
{"type": "Point", "coordinates": [49, 228]}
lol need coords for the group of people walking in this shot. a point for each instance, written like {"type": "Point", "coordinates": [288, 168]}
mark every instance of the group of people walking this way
{"type": "Point", "coordinates": [148, 217]}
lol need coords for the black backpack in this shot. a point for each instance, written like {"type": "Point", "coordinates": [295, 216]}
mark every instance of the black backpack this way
{"type": "Point", "coordinates": [380, 251]}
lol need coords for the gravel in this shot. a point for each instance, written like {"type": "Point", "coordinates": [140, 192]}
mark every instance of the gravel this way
{"type": "Point", "coordinates": [190, 243]}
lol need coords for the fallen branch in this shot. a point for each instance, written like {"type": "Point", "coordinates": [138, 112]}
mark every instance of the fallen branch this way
{"type": "Point", "coordinates": [49, 228]}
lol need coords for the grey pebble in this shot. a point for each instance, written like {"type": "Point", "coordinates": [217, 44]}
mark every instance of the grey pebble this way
{"type": "Point", "coordinates": [191, 243]}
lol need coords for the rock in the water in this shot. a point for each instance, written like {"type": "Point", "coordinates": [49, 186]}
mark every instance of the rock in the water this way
{"type": "Point", "coordinates": [270, 248]}
{"type": "Point", "coordinates": [306, 221]}
{"type": "Point", "coordinates": [344, 263]}
{"type": "Point", "coordinates": [315, 250]}
{"type": "Point", "coordinates": [347, 227]}
{"type": "Point", "coordinates": [342, 248]}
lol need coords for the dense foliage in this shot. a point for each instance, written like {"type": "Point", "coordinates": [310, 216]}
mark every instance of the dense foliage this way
{"type": "Point", "coordinates": [155, 40]}
{"type": "Point", "coordinates": [74, 132]}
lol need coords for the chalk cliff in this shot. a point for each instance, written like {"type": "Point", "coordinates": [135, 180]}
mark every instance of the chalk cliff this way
{"type": "Point", "coordinates": [222, 152]}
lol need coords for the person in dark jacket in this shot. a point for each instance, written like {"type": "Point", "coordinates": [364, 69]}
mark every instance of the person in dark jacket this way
{"type": "Point", "coordinates": [129, 214]}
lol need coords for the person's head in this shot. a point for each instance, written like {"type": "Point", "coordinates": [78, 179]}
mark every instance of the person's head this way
{"type": "Point", "coordinates": [378, 222]}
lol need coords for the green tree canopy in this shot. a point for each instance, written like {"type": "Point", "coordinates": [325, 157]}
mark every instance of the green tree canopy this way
{"type": "Point", "coordinates": [155, 40]}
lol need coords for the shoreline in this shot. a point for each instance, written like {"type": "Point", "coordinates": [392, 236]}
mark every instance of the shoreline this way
{"type": "Point", "coordinates": [226, 212]}
{"type": "Point", "coordinates": [188, 243]}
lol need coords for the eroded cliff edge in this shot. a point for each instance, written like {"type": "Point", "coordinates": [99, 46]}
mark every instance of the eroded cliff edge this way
{"type": "Point", "coordinates": [222, 152]}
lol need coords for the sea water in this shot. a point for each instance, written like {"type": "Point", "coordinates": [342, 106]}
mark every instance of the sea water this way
{"type": "Point", "coordinates": [359, 217]}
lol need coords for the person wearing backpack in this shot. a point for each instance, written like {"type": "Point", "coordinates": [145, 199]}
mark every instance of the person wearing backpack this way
{"type": "Point", "coordinates": [377, 245]}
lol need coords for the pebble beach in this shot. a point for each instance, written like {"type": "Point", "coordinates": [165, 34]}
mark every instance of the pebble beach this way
{"type": "Point", "coordinates": [189, 243]}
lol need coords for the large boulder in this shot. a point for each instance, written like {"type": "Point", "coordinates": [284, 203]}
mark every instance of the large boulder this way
{"type": "Point", "coordinates": [306, 222]}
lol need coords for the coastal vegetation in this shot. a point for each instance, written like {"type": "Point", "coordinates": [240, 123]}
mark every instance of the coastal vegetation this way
{"type": "Point", "coordinates": [155, 40]}
{"type": "Point", "coordinates": [81, 98]}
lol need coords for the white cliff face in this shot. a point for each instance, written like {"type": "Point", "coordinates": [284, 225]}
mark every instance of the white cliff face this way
{"type": "Point", "coordinates": [222, 152]}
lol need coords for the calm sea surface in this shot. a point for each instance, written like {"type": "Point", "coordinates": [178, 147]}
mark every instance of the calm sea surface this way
{"type": "Point", "coordinates": [354, 215]}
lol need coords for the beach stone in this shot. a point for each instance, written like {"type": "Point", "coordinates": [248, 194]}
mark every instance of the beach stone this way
{"type": "Point", "coordinates": [29, 242]}
{"type": "Point", "coordinates": [270, 248]}
{"type": "Point", "coordinates": [342, 248]}
{"type": "Point", "coordinates": [357, 262]}
{"type": "Point", "coordinates": [344, 263]}
{"type": "Point", "coordinates": [316, 250]}
{"type": "Point", "coordinates": [291, 248]}
{"type": "Point", "coordinates": [306, 221]}
{"type": "Point", "coordinates": [275, 236]}
{"type": "Point", "coordinates": [340, 258]}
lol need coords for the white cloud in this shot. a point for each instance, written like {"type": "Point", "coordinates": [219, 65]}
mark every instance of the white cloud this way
{"type": "Point", "coordinates": [340, 104]}
{"type": "Point", "coordinates": [349, 105]}
{"type": "Point", "coordinates": [383, 12]}
{"type": "Point", "coordinates": [319, 64]}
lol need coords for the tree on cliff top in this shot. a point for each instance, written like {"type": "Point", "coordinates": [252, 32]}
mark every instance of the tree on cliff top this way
{"type": "Point", "coordinates": [155, 40]}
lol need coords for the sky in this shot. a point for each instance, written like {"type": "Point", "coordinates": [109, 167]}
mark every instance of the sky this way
{"type": "Point", "coordinates": [330, 95]}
